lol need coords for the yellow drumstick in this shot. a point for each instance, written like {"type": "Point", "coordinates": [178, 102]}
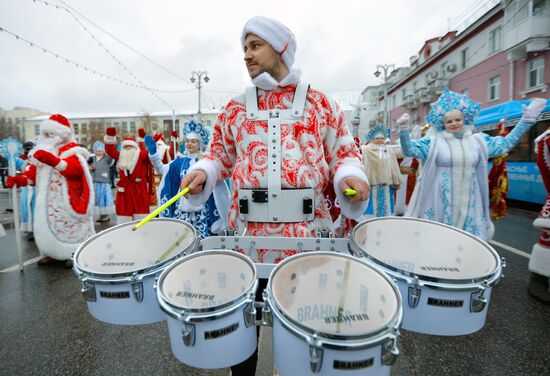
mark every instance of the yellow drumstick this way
{"type": "Point", "coordinates": [161, 208]}
{"type": "Point", "coordinates": [350, 192]}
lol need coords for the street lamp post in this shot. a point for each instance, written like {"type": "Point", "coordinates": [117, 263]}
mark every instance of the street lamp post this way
{"type": "Point", "coordinates": [199, 76]}
{"type": "Point", "coordinates": [386, 69]}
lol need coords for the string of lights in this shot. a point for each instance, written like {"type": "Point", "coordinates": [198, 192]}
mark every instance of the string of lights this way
{"type": "Point", "coordinates": [85, 67]}
{"type": "Point", "coordinates": [71, 10]}
{"type": "Point", "coordinates": [123, 66]}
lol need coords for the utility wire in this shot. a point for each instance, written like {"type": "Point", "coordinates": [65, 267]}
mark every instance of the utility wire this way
{"type": "Point", "coordinates": [85, 67]}
{"type": "Point", "coordinates": [71, 10]}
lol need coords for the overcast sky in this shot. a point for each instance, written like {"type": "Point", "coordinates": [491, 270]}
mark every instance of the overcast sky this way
{"type": "Point", "coordinates": [339, 45]}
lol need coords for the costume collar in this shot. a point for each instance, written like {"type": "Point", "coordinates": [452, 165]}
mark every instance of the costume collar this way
{"type": "Point", "coordinates": [266, 82]}
{"type": "Point", "coordinates": [467, 132]}
{"type": "Point", "coordinates": [68, 146]}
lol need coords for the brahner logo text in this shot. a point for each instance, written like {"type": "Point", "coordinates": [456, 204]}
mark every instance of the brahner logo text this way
{"type": "Point", "coordinates": [440, 268]}
{"type": "Point", "coordinates": [110, 263]}
{"type": "Point", "coordinates": [346, 318]}
{"type": "Point", "coordinates": [195, 295]}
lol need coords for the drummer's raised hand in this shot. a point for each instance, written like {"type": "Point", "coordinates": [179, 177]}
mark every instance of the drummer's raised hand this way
{"type": "Point", "coordinates": [359, 185]}
{"type": "Point", "coordinates": [194, 180]}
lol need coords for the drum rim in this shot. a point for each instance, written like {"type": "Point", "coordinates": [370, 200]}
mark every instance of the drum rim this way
{"type": "Point", "coordinates": [130, 275]}
{"type": "Point", "coordinates": [337, 340]}
{"type": "Point", "coordinates": [179, 312]}
{"type": "Point", "coordinates": [490, 278]}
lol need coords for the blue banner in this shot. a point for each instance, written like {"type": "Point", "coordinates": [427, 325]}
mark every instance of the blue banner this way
{"type": "Point", "coordinates": [525, 182]}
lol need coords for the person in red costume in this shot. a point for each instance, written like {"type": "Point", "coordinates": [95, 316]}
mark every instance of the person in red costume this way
{"type": "Point", "coordinates": [167, 152]}
{"type": "Point", "coordinates": [539, 263]}
{"type": "Point", "coordinates": [151, 185]}
{"type": "Point", "coordinates": [132, 197]}
{"type": "Point", "coordinates": [498, 180]}
{"type": "Point", "coordinates": [64, 195]}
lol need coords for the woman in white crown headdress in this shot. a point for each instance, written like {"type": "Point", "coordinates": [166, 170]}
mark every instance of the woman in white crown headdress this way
{"type": "Point", "coordinates": [209, 218]}
{"type": "Point", "coordinates": [382, 169]}
{"type": "Point", "coordinates": [453, 185]}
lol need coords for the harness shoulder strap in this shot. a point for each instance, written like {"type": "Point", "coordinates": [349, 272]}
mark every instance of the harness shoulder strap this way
{"type": "Point", "coordinates": [251, 97]}
{"type": "Point", "coordinates": [299, 101]}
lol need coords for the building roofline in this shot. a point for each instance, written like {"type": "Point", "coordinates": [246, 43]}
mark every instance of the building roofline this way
{"type": "Point", "coordinates": [480, 24]}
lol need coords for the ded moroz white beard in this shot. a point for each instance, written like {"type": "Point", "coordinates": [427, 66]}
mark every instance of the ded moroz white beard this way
{"type": "Point", "coordinates": [127, 159]}
{"type": "Point", "coordinates": [50, 144]}
{"type": "Point", "coordinates": [161, 148]}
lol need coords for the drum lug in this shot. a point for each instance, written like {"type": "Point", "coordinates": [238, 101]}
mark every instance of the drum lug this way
{"type": "Point", "coordinates": [137, 289]}
{"type": "Point", "coordinates": [267, 315]}
{"type": "Point", "coordinates": [390, 352]}
{"type": "Point", "coordinates": [249, 314]}
{"type": "Point", "coordinates": [88, 291]}
{"type": "Point", "coordinates": [188, 334]}
{"type": "Point", "coordinates": [315, 355]}
{"type": "Point", "coordinates": [414, 294]}
{"type": "Point", "coordinates": [478, 301]}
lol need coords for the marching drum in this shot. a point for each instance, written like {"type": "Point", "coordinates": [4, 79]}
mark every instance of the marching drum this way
{"type": "Point", "coordinates": [208, 299]}
{"type": "Point", "coordinates": [332, 314]}
{"type": "Point", "coordinates": [118, 268]}
{"type": "Point", "coordinates": [445, 275]}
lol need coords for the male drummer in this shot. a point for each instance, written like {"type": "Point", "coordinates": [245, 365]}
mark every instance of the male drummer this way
{"type": "Point", "coordinates": [282, 143]}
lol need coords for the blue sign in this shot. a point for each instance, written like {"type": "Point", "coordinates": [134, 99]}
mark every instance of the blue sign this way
{"type": "Point", "coordinates": [525, 182]}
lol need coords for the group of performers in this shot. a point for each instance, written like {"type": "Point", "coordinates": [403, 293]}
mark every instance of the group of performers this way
{"type": "Point", "coordinates": [308, 148]}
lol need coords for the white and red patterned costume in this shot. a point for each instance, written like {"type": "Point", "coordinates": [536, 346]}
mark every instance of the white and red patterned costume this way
{"type": "Point", "coordinates": [539, 264]}
{"type": "Point", "coordinates": [64, 194]}
{"type": "Point", "coordinates": [316, 151]}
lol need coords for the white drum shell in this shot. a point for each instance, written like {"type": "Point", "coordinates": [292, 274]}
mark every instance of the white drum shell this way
{"type": "Point", "coordinates": [444, 315]}
{"type": "Point", "coordinates": [126, 311]}
{"type": "Point", "coordinates": [220, 352]}
{"type": "Point", "coordinates": [443, 321]}
{"type": "Point", "coordinates": [291, 356]}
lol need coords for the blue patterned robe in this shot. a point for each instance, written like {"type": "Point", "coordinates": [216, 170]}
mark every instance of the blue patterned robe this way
{"type": "Point", "coordinates": [204, 218]}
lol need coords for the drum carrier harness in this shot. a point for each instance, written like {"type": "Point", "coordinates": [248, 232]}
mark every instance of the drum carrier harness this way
{"type": "Point", "coordinates": [275, 204]}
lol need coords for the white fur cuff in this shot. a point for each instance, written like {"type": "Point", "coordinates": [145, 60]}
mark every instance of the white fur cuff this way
{"type": "Point", "coordinates": [357, 209]}
{"type": "Point", "coordinates": [61, 166]}
{"type": "Point", "coordinates": [540, 260]}
{"type": "Point", "coordinates": [109, 139]}
{"type": "Point", "coordinates": [212, 175]}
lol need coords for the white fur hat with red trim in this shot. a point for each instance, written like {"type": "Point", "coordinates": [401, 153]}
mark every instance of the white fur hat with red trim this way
{"type": "Point", "coordinates": [129, 141]}
{"type": "Point", "coordinates": [58, 125]}
{"type": "Point", "coordinates": [275, 33]}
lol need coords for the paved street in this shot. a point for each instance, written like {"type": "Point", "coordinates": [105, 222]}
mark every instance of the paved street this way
{"type": "Point", "coordinates": [46, 329]}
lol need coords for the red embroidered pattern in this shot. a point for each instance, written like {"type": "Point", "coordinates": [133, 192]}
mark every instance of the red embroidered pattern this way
{"type": "Point", "coordinates": [312, 150]}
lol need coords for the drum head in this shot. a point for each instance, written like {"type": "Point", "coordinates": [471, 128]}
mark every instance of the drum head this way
{"type": "Point", "coordinates": [425, 248]}
{"type": "Point", "coordinates": [207, 279]}
{"type": "Point", "coordinates": [119, 250]}
{"type": "Point", "coordinates": [334, 295]}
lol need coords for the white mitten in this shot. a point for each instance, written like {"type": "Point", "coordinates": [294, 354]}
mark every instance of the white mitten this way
{"type": "Point", "coordinates": [404, 122]}
{"type": "Point", "coordinates": [532, 112]}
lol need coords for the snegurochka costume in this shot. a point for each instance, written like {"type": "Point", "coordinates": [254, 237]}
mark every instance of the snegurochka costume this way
{"type": "Point", "coordinates": [26, 200]}
{"type": "Point", "coordinates": [453, 186]}
{"type": "Point", "coordinates": [209, 218]}
{"type": "Point", "coordinates": [382, 168]}
{"type": "Point", "coordinates": [104, 203]}
{"type": "Point", "coordinates": [281, 143]}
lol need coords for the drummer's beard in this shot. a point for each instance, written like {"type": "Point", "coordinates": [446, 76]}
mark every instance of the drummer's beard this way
{"type": "Point", "coordinates": [127, 159]}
